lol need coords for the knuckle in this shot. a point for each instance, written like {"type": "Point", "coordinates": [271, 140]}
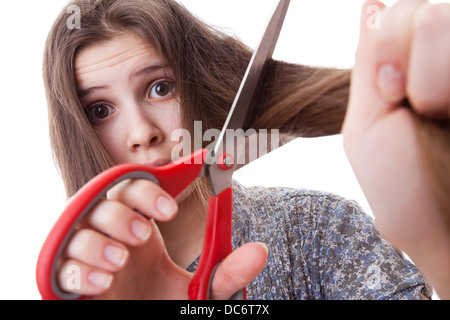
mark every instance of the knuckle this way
{"type": "Point", "coordinates": [145, 188]}
{"type": "Point", "coordinates": [431, 18]}
{"type": "Point", "coordinates": [389, 40]}
{"type": "Point", "coordinates": [428, 106]}
{"type": "Point", "coordinates": [70, 276]}
{"type": "Point", "coordinates": [81, 242]}
{"type": "Point", "coordinates": [95, 249]}
{"type": "Point", "coordinates": [116, 192]}
{"type": "Point", "coordinates": [107, 213]}
{"type": "Point", "coordinates": [115, 220]}
{"type": "Point", "coordinates": [132, 190]}
{"type": "Point", "coordinates": [76, 277]}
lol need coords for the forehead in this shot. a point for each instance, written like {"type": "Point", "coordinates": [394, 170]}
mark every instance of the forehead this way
{"type": "Point", "coordinates": [122, 50]}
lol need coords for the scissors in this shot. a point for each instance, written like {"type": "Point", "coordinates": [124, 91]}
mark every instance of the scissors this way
{"type": "Point", "coordinates": [216, 164]}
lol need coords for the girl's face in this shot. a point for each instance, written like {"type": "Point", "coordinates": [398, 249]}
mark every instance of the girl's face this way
{"type": "Point", "coordinates": [129, 97]}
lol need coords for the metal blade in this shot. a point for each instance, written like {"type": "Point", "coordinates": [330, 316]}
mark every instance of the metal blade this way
{"type": "Point", "coordinates": [244, 103]}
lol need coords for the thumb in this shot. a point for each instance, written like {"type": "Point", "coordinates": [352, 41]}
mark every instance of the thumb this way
{"type": "Point", "coordinates": [240, 268]}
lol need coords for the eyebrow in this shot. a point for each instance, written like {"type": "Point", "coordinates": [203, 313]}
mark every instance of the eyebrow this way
{"type": "Point", "coordinates": [146, 70]}
{"type": "Point", "coordinates": [91, 90]}
{"type": "Point", "coordinates": [139, 73]}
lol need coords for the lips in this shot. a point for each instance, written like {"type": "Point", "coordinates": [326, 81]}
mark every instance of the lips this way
{"type": "Point", "coordinates": [158, 162]}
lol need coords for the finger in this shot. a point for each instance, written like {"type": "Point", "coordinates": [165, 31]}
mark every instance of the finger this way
{"type": "Point", "coordinates": [80, 278]}
{"type": "Point", "coordinates": [394, 33]}
{"type": "Point", "coordinates": [392, 47]}
{"type": "Point", "coordinates": [97, 250]}
{"type": "Point", "coordinates": [380, 72]}
{"type": "Point", "coordinates": [429, 70]}
{"type": "Point", "coordinates": [119, 222]}
{"type": "Point", "coordinates": [238, 270]}
{"type": "Point", "coordinates": [146, 197]}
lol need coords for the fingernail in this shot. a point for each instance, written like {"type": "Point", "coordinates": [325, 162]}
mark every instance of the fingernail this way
{"type": "Point", "coordinates": [264, 246]}
{"type": "Point", "coordinates": [116, 255]}
{"type": "Point", "coordinates": [391, 82]}
{"type": "Point", "coordinates": [165, 206]}
{"type": "Point", "coordinates": [100, 279]}
{"type": "Point", "coordinates": [141, 230]}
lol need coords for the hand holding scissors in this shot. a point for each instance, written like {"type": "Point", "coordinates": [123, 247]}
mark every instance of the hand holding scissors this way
{"type": "Point", "coordinates": [217, 165]}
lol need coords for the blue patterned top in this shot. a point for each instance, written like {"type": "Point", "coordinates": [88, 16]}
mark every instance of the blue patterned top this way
{"type": "Point", "coordinates": [321, 246]}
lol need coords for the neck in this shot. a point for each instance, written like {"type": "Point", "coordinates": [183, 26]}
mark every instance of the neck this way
{"type": "Point", "coordinates": [184, 234]}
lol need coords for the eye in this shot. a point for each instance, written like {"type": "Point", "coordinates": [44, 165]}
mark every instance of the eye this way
{"type": "Point", "coordinates": [161, 90]}
{"type": "Point", "coordinates": [98, 112]}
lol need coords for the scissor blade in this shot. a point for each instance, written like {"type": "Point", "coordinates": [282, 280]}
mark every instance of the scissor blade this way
{"type": "Point", "coordinates": [254, 78]}
{"type": "Point", "coordinates": [244, 103]}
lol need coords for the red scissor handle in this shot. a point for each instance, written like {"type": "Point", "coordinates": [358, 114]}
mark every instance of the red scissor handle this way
{"type": "Point", "coordinates": [216, 246]}
{"type": "Point", "coordinates": [173, 178]}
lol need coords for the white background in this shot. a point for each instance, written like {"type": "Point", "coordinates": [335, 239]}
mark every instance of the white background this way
{"type": "Point", "coordinates": [316, 32]}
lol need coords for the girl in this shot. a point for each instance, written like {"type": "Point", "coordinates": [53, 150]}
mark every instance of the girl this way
{"type": "Point", "coordinates": [118, 87]}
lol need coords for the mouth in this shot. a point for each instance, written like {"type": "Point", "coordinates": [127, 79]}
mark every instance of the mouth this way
{"type": "Point", "coordinates": [158, 162]}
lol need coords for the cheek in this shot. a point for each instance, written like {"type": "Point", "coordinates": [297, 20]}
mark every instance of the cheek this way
{"type": "Point", "coordinates": [173, 118]}
{"type": "Point", "coordinates": [113, 139]}
{"type": "Point", "coordinates": [114, 146]}
{"type": "Point", "coordinates": [171, 122]}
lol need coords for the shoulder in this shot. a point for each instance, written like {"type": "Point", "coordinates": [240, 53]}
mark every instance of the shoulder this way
{"type": "Point", "coordinates": [289, 203]}
{"type": "Point", "coordinates": [296, 225]}
{"type": "Point", "coordinates": [312, 218]}
{"type": "Point", "coordinates": [332, 247]}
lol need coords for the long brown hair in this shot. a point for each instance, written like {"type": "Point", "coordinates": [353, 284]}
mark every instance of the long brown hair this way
{"type": "Point", "coordinates": [208, 67]}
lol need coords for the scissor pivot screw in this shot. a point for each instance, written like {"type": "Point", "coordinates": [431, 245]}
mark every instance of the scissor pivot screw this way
{"type": "Point", "coordinates": [226, 161]}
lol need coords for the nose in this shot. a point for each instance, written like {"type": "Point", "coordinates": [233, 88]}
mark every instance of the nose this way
{"type": "Point", "coordinates": [143, 132]}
